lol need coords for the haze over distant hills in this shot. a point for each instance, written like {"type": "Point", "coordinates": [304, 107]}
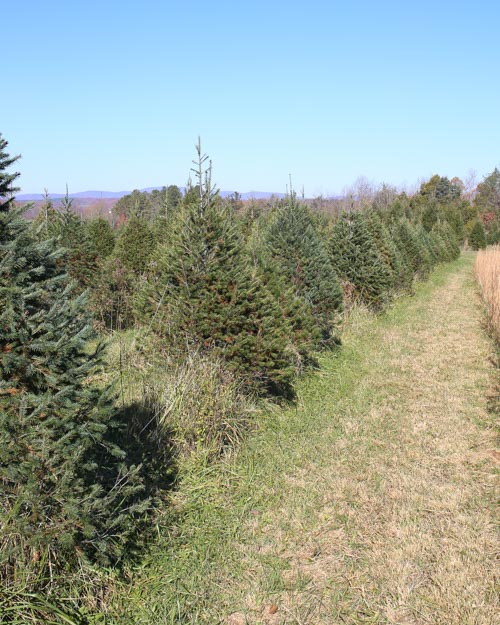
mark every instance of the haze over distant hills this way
{"type": "Point", "coordinates": [116, 195]}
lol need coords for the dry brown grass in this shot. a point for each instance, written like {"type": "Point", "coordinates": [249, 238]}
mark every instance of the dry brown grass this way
{"type": "Point", "coordinates": [487, 271]}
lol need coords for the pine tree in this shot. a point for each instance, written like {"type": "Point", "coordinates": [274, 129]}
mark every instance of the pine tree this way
{"type": "Point", "coordinates": [68, 492]}
{"type": "Point", "coordinates": [201, 293]}
{"type": "Point", "coordinates": [294, 248]}
{"type": "Point", "coordinates": [356, 259]}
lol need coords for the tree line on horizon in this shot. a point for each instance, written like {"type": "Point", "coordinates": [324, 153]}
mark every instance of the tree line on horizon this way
{"type": "Point", "coordinates": [244, 296]}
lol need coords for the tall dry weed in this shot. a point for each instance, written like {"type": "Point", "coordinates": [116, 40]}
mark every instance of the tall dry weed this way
{"type": "Point", "coordinates": [487, 271]}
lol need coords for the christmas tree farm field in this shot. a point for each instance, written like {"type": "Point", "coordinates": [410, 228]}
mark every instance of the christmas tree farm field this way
{"type": "Point", "coordinates": [368, 500]}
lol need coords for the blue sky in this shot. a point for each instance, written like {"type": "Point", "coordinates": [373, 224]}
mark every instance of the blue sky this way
{"type": "Point", "coordinates": [112, 95]}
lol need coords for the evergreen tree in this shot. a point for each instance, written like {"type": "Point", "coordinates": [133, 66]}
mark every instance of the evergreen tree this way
{"type": "Point", "coordinates": [44, 224]}
{"type": "Point", "coordinates": [112, 295]}
{"type": "Point", "coordinates": [477, 237]}
{"type": "Point", "coordinates": [411, 244]}
{"type": "Point", "coordinates": [306, 336]}
{"type": "Point", "coordinates": [437, 246]}
{"type": "Point", "coordinates": [135, 244]}
{"type": "Point", "coordinates": [173, 199]}
{"type": "Point", "coordinates": [7, 188]}
{"type": "Point", "coordinates": [448, 235]}
{"type": "Point", "coordinates": [356, 259]}
{"type": "Point", "coordinates": [202, 293]}
{"type": "Point", "coordinates": [67, 490]}
{"type": "Point", "coordinates": [401, 274]}
{"type": "Point", "coordinates": [101, 237]}
{"type": "Point", "coordinates": [293, 246]}
{"type": "Point", "coordinates": [488, 193]}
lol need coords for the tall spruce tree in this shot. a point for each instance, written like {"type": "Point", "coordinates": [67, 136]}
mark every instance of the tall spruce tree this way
{"type": "Point", "coordinates": [294, 247]}
{"type": "Point", "coordinates": [68, 492]}
{"type": "Point", "coordinates": [201, 293]}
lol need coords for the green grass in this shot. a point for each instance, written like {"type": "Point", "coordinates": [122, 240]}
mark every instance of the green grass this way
{"type": "Point", "coordinates": [228, 542]}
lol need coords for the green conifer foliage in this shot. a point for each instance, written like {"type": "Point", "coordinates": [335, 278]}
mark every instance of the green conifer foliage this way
{"type": "Point", "coordinates": [437, 246]}
{"type": "Point", "coordinates": [401, 275]}
{"type": "Point", "coordinates": [135, 244]}
{"type": "Point", "coordinates": [356, 260]}
{"type": "Point", "coordinates": [202, 293]}
{"type": "Point", "coordinates": [64, 225]}
{"type": "Point", "coordinates": [101, 237]}
{"type": "Point", "coordinates": [67, 490]}
{"type": "Point", "coordinates": [446, 233]}
{"type": "Point", "coordinates": [306, 336]}
{"type": "Point", "coordinates": [295, 249]}
{"type": "Point", "coordinates": [7, 188]}
{"type": "Point", "coordinates": [477, 237]}
{"type": "Point", "coordinates": [412, 245]}
{"type": "Point", "coordinates": [112, 295]}
{"type": "Point", "coordinates": [44, 224]}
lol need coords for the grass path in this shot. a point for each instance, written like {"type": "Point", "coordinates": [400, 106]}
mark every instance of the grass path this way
{"type": "Point", "coordinates": [370, 501]}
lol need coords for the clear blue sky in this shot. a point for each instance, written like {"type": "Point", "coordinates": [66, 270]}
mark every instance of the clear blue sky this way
{"type": "Point", "coordinates": [112, 95]}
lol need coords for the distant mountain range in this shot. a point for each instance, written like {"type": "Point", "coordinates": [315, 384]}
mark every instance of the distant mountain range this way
{"type": "Point", "coordinates": [116, 195]}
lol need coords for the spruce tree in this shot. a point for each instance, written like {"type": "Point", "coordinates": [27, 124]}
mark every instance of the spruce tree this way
{"type": "Point", "coordinates": [294, 247]}
{"type": "Point", "coordinates": [201, 293]}
{"type": "Point", "coordinates": [356, 260]}
{"type": "Point", "coordinates": [68, 493]}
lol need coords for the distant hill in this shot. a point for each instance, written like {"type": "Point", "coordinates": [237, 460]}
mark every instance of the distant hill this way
{"type": "Point", "coordinates": [116, 195]}
{"type": "Point", "coordinates": [94, 203]}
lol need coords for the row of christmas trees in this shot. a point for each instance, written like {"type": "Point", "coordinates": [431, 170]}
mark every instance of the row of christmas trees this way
{"type": "Point", "coordinates": [79, 479]}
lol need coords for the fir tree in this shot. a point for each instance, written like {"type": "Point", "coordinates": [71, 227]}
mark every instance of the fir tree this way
{"type": "Point", "coordinates": [447, 235]}
{"type": "Point", "coordinates": [293, 246]}
{"type": "Point", "coordinates": [412, 246]}
{"type": "Point", "coordinates": [67, 490]}
{"type": "Point", "coordinates": [401, 275]}
{"type": "Point", "coordinates": [305, 335]}
{"type": "Point", "coordinates": [477, 237]}
{"type": "Point", "coordinates": [135, 244]}
{"type": "Point", "coordinates": [101, 237]}
{"type": "Point", "coordinates": [202, 293]}
{"type": "Point", "coordinates": [7, 188]}
{"type": "Point", "coordinates": [356, 259]}
{"type": "Point", "coordinates": [437, 246]}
